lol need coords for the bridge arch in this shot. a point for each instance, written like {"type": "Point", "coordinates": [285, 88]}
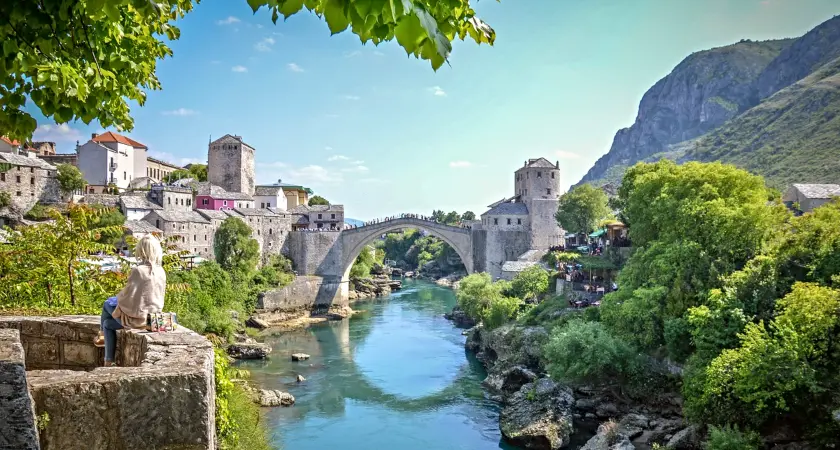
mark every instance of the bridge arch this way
{"type": "Point", "coordinates": [355, 239]}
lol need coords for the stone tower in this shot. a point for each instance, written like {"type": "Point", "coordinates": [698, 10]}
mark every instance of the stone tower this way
{"type": "Point", "coordinates": [230, 164]}
{"type": "Point", "coordinates": [537, 185]}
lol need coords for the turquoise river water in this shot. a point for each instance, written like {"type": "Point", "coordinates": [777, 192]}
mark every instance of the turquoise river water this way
{"type": "Point", "coordinates": [394, 376]}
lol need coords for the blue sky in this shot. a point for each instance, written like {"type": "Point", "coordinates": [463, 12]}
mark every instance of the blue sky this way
{"type": "Point", "coordinates": [382, 133]}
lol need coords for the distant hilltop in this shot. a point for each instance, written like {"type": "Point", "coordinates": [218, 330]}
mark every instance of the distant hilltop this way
{"type": "Point", "coordinates": [769, 107]}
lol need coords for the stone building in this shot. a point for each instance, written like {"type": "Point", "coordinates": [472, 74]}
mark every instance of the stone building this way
{"type": "Point", "coordinates": [27, 181]}
{"type": "Point", "coordinates": [158, 169]}
{"type": "Point", "coordinates": [210, 196]}
{"type": "Point", "coordinates": [189, 230]}
{"type": "Point", "coordinates": [172, 198]}
{"type": "Point", "coordinates": [318, 217]}
{"type": "Point", "coordinates": [803, 198]}
{"type": "Point", "coordinates": [136, 207]}
{"type": "Point", "coordinates": [269, 227]}
{"type": "Point", "coordinates": [522, 223]}
{"type": "Point", "coordinates": [230, 164]}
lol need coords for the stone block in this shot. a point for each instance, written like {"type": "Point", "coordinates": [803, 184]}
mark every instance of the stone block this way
{"type": "Point", "coordinates": [30, 327]}
{"type": "Point", "coordinates": [40, 352]}
{"type": "Point", "coordinates": [58, 329]}
{"type": "Point", "coordinates": [17, 417]}
{"type": "Point", "coordinates": [81, 414]}
{"type": "Point", "coordinates": [79, 354]}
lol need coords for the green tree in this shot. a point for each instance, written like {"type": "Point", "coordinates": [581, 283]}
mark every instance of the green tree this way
{"type": "Point", "coordinates": [731, 438]}
{"type": "Point", "coordinates": [452, 218]}
{"type": "Point", "coordinates": [439, 216]}
{"type": "Point", "coordinates": [176, 175]}
{"type": "Point", "coordinates": [530, 283]}
{"type": "Point", "coordinates": [582, 208]}
{"type": "Point", "coordinates": [70, 178]}
{"type": "Point", "coordinates": [585, 352]}
{"type": "Point", "coordinates": [198, 171]}
{"type": "Point", "coordinates": [469, 215]}
{"type": "Point", "coordinates": [63, 57]}
{"type": "Point", "coordinates": [363, 263]}
{"type": "Point", "coordinates": [318, 200]}
{"type": "Point", "coordinates": [236, 251]}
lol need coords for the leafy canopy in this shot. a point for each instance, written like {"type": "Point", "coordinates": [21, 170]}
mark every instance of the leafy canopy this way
{"type": "Point", "coordinates": [582, 208]}
{"type": "Point", "coordinates": [70, 178]}
{"type": "Point", "coordinates": [236, 251]}
{"type": "Point", "coordinates": [86, 59]}
{"type": "Point", "coordinates": [318, 200]}
{"type": "Point", "coordinates": [530, 283]}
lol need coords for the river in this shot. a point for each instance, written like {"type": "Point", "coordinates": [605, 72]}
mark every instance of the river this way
{"type": "Point", "coordinates": [394, 376]}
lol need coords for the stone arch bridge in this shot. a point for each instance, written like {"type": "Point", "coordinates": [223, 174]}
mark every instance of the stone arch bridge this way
{"type": "Point", "coordinates": [329, 255]}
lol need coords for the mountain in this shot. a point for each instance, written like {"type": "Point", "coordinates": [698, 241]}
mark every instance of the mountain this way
{"type": "Point", "coordinates": [353, 222]}
{"type": "Point", "coordinates": [765, 106]}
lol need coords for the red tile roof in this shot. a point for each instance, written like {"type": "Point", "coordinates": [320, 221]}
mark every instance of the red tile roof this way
{"type": "Point", "coordinates": [110, 136]}
{"type": "Point", "coordinates": [9, 141]}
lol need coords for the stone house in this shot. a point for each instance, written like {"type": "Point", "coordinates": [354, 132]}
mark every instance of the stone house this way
{"type": "Point", "coordinates": [110, 158]}
{"type": "Point", "coordinates": [230, 165]}
{"type": "Point", "coordinates": [210, 196]}
{"type": "Point", "coordinates": [187, 230]}
{"type": "Point", "coordinates": [296, 195]}
{"type": "Point", "coordinates": [270, 228]}
{"type": "Point", "coordinates": [506, 216]}
{"type": "Point", "coordinates": [137, 229]}
{"type": "Point", "coordinates": [804, 198]}
{"type": "Point", "coordinates": [136, 207]}
{"type": "Point", "coordinates": [27, 181]}
{"type": "Point", "coordinates": [158, 169]}
{"type": "Point", "coordinates": [318, 217]}
{"type": "Point", "coordinates": [172, 198]}
{"type": "Point", "coordinates": [270, 196]}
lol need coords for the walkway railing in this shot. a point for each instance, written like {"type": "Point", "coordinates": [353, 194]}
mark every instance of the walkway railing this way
{"type": "Point", "coordinates": [419, 217]}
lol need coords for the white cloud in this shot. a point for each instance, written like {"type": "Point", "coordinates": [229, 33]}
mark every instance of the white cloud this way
{"type": "Point", "coordinates": [230, 20]}
{"type": "Point", "coordinates": [314, 174]}
{"type": "Point", "coordinates": [328, 148]}
{"type": "Point", "coordinates": [179, 112]}
{"type": "Point", "coordinates": [436, 90]}
{"type": "Point", "coordinates": [259, 25]}
{"type": "Point", "coordinates": [239, 69]}
{"type": "Point", "coordinates": [265, 44]}
{"type": "Point", "coordinates": [294, 67]}
{"type": "Point", "coordinates": [562, 154]}
{"type": "Point", "coordinates": [460, 164]}
{"type": "Point", "coordinates": [56, 133]}
{"type": "Point", "coordinates": [273, 165]}
{"type": "Point", "coordinates": [357, 162]}
{"type": "Point", "coordinates": [352, 97]}
{"type": "Point", "coordinates": [352, 54]}
{"type": "Point", "coordinates": [355, 169]}
{"type": "Point", "coordinates": [378, 53]}
{"type": "Point", "coordinates": [337, 158]}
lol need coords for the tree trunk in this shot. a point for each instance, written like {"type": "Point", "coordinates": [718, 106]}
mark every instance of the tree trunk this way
{"type": "Point", "coordinates": [72, 291]}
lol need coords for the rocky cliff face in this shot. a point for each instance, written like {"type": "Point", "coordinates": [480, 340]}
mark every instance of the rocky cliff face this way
{"type": "Point", "coordinates": [807, 54]}
{"type": "Point", "coordinates": [701, 93]}
{"type": "Point", "coordinates": [711, 88]}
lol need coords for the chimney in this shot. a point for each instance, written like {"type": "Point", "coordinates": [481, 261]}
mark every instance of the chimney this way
{"type": "Point", "coordinates": [557, 164]}
{"type": "Point", "coordinates": [93, 135]}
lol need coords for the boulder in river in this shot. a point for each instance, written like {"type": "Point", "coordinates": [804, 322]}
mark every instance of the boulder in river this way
{"type": "Point", "coordinates": [299, 356]}
{"type": "Point", "coordinates": [538, 416]}
{"type": "Point", "coordinates": [249, 351]}
{"type": "Point", "coordinates": [610, 436]}
{"type": "Point", "coordinates": [300, 378]}
{"type": "Point", "coordinates": [269, 397]}
{"type": "Point", "coordinates": [509, 381]}
{"type": "Point", "coordinates": [459, 318]}
{"type": "Point", "coordinates": [256, 322]}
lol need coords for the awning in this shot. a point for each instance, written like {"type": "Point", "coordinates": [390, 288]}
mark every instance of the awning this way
{"type": "Point", "coordinates": [598, 233]}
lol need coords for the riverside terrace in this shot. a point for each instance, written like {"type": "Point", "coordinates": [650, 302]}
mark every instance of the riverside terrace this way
{"type": "Point", "coordinates": [49, 367]}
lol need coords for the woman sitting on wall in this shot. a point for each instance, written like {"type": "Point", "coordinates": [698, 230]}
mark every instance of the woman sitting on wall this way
{"type": "Point", "coordinates": [142, 295]}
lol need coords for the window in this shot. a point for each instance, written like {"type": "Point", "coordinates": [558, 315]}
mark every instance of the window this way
{"type": "Point", "coordinates": [125, 175]}
{"type": "Point", "coordinates": [205, 201]}
{"type": "Point", "coordinates": [31, 170]}
{"type": "Point", "coordinates": [17, 178]}
{"type": "Point", "coordinates": [269, 231]}
{"type": "Point", "coordinates": [333, 216]}
{"type": "Point", "coordinates": [539, 174]}
{"type": "Point", "coordinates": [320, 225]}
{"type": "Point", "coordinates": [224, 202]}
{"type": "Point", "coordinates": [173, 226]}
{"type": "Point", "coordinates": [18, 193]}
{"type": "Point", "coordinates": [169, 201]}
{"type": "Point", "coordinates": [32, 180]}
{"type": "Point", "coordinates": [508, 220]}
{"type": "Point", "coordinates": [205, 237]}
{"type": "Point", "coordinates": [259, 232]}
{"type": "Point", "coordinates": [3, 176]}
{"type": "Point", "coordinates": [189, 202]}
{"type": "Point", "coordinates": [519, 221]}
{"type": "Point", "coordinates": [195, 238]}
{"type": "Point", "coordinates": [548, 191]}
{"type": "Point", "coordinates": [92, 191]}
{"type": "Point", "coordinates": [319, 216]}
{"type": "Point", "coordinates": [262, 204]}
{"type": "Point", "coordinates": [495, 221]}
{"type": "Point", "coordinates": [552, 174]}
{"type": "Point", "coordinates": [157, 223]}
{"type": "Point", "coordinates": [31, 194]}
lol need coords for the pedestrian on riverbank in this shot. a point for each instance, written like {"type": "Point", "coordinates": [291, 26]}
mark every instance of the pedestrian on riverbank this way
{"type": "Point", "coordinates": [142, 295]}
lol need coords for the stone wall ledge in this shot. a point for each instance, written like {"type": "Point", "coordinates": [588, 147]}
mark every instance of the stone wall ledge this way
{"type": "Point", "coordinates": [162, 394]}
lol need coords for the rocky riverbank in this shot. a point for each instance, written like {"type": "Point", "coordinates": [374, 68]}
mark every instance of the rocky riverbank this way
{"type": "Point", "coordinates": [539, 413]}
{"type": "Point", "coordinates": [376, 286]}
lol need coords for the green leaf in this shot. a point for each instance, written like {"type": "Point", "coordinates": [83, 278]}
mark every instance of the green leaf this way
{"type": "Point", "coordinates": [409, 33]}
{"type": "Point", "coordinates": [290, 7]}
{"type": "Point", "coordinates": [334, 15]}
{"type": "Point", "coordinates": [256, 4]}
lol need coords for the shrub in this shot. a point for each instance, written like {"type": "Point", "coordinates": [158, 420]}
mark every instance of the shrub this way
{"type": "Point", "coordinates": [730, 438]}
{"type": "Point", "coordinates": [502, 311]}
{"type": "Point", "coordinates": [586, 352]}
{"type": "Point", "coordinates": [238, 419]}
{"type": "Point", "coordinates": [531, 282]}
